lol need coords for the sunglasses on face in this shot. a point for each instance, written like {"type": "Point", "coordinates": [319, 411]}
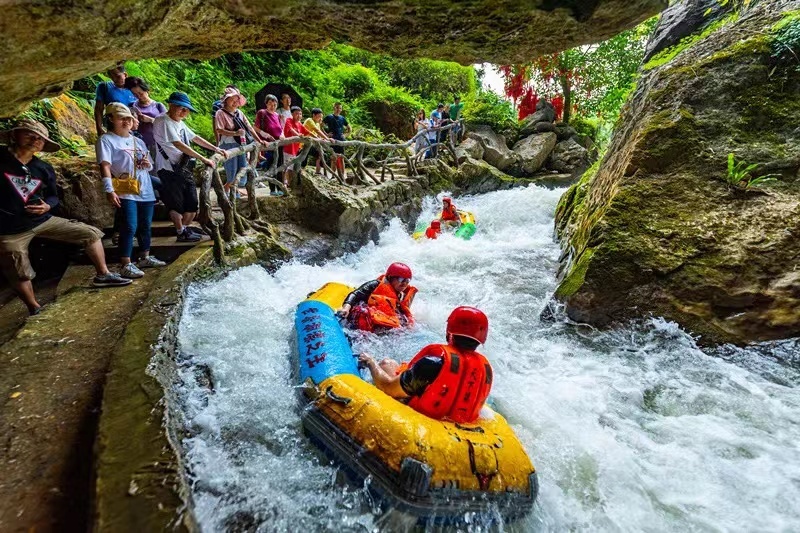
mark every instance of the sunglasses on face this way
{"type": "Point", "coordinates": [403, 280]}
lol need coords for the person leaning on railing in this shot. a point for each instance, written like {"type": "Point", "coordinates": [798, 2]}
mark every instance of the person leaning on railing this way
{"type": "Point", "coordinates": [268, 127]}
{"type": "Point", "coordinates": [175, 162]}
{"type": "Point", "coordinates": [233, 130]}
{"type": "Point", "coordinates": [313, 125]}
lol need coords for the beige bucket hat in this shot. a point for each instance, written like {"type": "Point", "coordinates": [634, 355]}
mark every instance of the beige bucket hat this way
{"type": "Point", "coordinates": [36, 127]}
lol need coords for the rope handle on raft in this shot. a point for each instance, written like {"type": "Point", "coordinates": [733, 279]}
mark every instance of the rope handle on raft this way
{"type": "Point", "coordinates": [332, 396]}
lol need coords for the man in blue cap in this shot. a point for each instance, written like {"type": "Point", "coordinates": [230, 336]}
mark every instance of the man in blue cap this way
{"type": "Point", "coordinates": [175, 160]}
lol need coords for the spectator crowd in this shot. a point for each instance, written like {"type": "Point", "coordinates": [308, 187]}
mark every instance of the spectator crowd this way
{"type": "Point", "coordinates": [146, 153]}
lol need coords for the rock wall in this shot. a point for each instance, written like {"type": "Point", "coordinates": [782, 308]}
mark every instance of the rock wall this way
{"type": "Point", "coordinates": [656, 230]}
{"type": "Point", "coordinates": [48, 44]}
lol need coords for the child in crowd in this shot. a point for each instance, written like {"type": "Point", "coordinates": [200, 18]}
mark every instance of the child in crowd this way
{"type": "Point", "coordinates": [313, 125]}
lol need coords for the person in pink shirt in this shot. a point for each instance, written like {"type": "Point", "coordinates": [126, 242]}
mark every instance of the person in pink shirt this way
{"type": "Point", "coordinates": [268, 127]}
{"type": "Point", "coordinates": [293, 128]}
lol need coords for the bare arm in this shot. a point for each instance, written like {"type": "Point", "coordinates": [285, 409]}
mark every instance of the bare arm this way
{"type": "Point", "coordinates": [386, 383]}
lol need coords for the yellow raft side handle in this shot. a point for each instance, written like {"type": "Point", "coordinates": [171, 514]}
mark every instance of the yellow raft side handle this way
{"type": "Point", "coordinates": [332, 396]}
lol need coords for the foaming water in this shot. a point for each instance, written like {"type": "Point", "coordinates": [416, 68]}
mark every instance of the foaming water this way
{"type": "Point", "coordinates": [633, 429]}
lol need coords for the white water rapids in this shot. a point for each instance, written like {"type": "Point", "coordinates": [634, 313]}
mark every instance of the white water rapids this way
{"type": "Point", "coordinates": [630, 430]}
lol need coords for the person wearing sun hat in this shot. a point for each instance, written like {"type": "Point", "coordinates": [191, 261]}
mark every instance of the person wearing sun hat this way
{"type": "Point", "coordinates": [233, 130]}
{"type": "Point", "coordinates": [173, 140]}
{"type": "Point", "coordinates": [28, 194]}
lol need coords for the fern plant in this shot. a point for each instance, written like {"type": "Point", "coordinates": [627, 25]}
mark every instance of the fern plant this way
{"type": "Point", "coordinates": [740, 175]}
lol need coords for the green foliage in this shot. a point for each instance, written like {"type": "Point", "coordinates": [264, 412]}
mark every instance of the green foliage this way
{"type": "Point", "coordinates": [786, 44]}
{"type": "Point", "coordinates": [487, 107]}
{"type": "Point", "coordinates": [740, 175]}
{"type": "Point", "coordinates": [40, 112]}
{"type": "Point", "coordinates": [357, 78]}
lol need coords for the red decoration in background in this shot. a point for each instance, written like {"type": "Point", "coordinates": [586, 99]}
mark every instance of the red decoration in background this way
{"type": "Point", "coordinates": [558, 103]}
{"type": "Point", "coordinates": [527, 106]}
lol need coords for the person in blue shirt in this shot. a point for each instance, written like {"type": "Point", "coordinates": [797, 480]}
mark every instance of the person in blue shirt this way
{"type": "Point", "coordinates": [112, 91]}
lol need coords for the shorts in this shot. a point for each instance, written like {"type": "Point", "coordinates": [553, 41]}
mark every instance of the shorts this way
{"type": "Point", "coordinates": [338, 149]}
{"type": "Point", "coordinates": [177, 193]}
{"type": "Point", "coordinates": [14, 259]}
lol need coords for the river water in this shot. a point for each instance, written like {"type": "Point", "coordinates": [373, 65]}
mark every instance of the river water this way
{"type": "Point", "coordinates": [630, 430]}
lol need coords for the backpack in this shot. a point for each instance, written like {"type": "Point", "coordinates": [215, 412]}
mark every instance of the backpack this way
{"type": "Point", "coordinates": [216, 106]}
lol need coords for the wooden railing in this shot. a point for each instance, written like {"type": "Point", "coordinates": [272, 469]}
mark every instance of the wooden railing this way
{"type": "Point", "coordinates": [368, 164]}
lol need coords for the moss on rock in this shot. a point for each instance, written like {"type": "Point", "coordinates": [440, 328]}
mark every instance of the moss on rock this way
{"type": "Point", "coordinates": [663, 233]}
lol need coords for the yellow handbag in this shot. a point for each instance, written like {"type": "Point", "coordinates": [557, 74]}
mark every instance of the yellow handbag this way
{"type": "Point", "coordinates": [127, 183]}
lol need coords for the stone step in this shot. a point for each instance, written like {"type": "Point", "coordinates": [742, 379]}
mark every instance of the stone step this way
{"type": "Point", "coordinates": [166, 248]}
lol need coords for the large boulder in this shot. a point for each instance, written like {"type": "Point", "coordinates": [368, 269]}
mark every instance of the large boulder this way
{"type": "Point", "coordinates": [534, 151]}
{"type": "Point", "coordinates": [545, 114]}
{"type": "Point", "coordinates": [655, 230]}
{"type": "Point", "coordinates": [48, 43]}
{"type": "Point", "coordinates": [471, 146]}
{"type": "Point", "coordinates": [475, 176]}
{"type": "Point", "coordinates": [569, 157]}
{"type": "Point", "coordinates": [495, 150]}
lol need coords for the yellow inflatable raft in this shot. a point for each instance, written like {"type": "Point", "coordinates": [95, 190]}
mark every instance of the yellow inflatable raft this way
{"type": "Point", "coordinates": [434, 470]}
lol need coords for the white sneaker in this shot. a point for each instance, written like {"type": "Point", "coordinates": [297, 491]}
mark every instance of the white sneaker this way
{"type": "Point", "coordinates": [131, 271]}
{"type": "Point", "coordinates": [150, 262]}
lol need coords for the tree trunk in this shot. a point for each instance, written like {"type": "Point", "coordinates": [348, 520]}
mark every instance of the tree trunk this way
{"type": "Point", "coordinates": [567, 90]}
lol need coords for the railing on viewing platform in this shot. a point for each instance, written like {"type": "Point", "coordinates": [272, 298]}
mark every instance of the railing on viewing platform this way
{"type": "Point", "coordinates": [367, 164]}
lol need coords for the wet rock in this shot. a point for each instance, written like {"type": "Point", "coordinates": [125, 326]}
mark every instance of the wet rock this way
{"type": "Point", "coordinates": [569, 157]}
{"type": "Point", "coordinates": [655, 230]}
{"type": "Point", "coordinates": [534, 151]}
{"type": "Point", "coordinates": [495, 150]}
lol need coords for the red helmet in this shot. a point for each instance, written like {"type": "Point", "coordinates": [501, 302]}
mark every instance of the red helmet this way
{"type": "Point", "coordinates": [398, 270]}
{"type": "Point", "coordinates": [447, 200]}
{"type": "Point", "coordinates": [436, 224]}
{"type": "Point", "coordinates": [468, 322]}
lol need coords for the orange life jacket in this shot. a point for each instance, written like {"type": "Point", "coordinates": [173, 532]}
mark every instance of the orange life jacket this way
{"type": "Point", "coordinates": [451, 213]}
{"type": "Point", "coordinates": [432, 233]}
{"type": "Point", "coordinates": [386, 309]}
{"type": "Point", "coordinates": [460, 389]}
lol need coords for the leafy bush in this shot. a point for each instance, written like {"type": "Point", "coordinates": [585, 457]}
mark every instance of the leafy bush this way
{"type": "Point", "coordinates": [786, 44]}
{"type": "Point", "coordinates": [486, 107]}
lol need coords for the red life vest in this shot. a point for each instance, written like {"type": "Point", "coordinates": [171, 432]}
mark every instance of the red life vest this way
{"type": "Point", "coordinates": [451, 213]}
{"type": "Point", "coordinates": [432, 233]}
{"type": "Point", "coordinates": [386, 309]}
{"type": "Point", "coordinates": [460, 389]}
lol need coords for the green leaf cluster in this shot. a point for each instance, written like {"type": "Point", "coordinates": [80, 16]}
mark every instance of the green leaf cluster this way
{"type": "Point", "coordinates": [740, 175]}
{"type": "Point", "coordinates": [339, 72]}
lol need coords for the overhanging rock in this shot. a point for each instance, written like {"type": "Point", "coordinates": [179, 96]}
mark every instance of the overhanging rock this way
{"type": "Point", "coordinates": [48, 44]}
